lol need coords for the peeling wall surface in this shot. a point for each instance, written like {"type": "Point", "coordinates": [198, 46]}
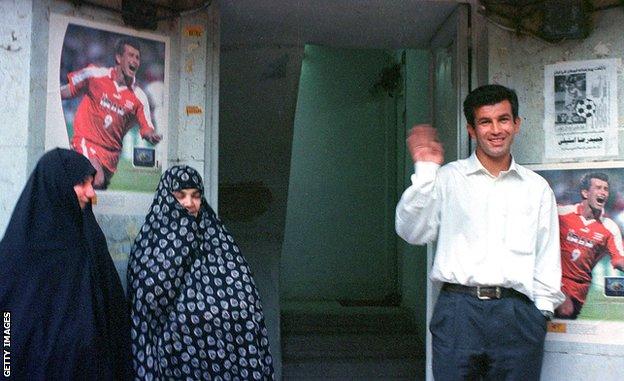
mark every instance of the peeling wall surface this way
{"type": "Point", "coordinates": [24, 28]}
{"type": "Point", "coordinates": [15, 47]}
{"type": "Point", "coordinates": [518, 62]}
{"type": "Point", "coordinates": [193, 62]}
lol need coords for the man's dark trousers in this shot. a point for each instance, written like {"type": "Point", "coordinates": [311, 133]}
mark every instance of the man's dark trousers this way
{"type": "Point", "coordinates": [495, 339]}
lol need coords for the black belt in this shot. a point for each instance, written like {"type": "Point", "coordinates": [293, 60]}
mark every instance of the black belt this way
{"type": "Point", "coordinates": [483, 292]}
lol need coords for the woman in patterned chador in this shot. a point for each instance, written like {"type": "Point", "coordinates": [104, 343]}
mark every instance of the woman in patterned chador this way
{"type": "Point", "coordinates": [196, 313]}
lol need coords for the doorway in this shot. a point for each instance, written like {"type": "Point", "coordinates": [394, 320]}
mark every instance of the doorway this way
{"type": "Point", "coordinates": [250, 150]}
{"type": "Point", "coordinates": [349, 167]}
{"type": "Point", "coordinates": [339, 242]}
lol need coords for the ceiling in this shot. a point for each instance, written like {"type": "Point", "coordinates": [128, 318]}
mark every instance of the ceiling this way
{"type": "Point", "coordinates": [345, 23]}
{"type": "Point", "coordinates": [339, 23]}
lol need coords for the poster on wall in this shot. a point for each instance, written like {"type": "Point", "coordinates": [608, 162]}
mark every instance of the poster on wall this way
{"type": "Point", "coordinates": [590, 203]}
{"type": "Point", "coordinates": [107, 99]}
{"type": "Point", "coordinates": [580, 106]}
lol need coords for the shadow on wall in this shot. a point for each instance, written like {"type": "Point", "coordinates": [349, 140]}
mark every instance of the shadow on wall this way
{"type": "Point", "coordinates": [242, 202]}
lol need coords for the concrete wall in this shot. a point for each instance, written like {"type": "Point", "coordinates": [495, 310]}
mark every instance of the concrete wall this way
{"type": "Point", "coordinates": [24, 30]}
{"type": "Point", "coordinates": [24, 35]}
{"type": "Point", "coordinates": [16, 143]}
{"type": "Point", "coordinates": [257, 108]}
{"type": "Point", "coordinates": [519, 62]}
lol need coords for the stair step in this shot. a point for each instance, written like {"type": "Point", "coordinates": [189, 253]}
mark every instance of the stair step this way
{"type": "Point", "coordinates": [334, 342]}
{"type": "Point", "coordinates": [390, 321]}
{"type": "Point", "coordinates": [351, 346]}
{"type": "Point", "coordinates": [361, 370]}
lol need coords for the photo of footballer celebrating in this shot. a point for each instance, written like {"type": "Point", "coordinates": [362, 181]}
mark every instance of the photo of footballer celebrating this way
{"type": "Point", "coordinates": [110, 84]}
{"type": "Point", "coordinates": [590, 205]}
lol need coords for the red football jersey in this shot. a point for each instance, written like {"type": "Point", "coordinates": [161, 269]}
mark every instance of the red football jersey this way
{"type": "Point", "coordinates": [585, 241]}
{"type": "Point", "coordinates": [107, 111]}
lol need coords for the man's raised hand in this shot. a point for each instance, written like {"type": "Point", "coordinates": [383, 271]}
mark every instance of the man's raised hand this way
{"type": "Point", "coordinates": [424, 145]}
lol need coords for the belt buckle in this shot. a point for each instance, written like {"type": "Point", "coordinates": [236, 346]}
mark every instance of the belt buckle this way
{"type": "Point", "coordinates": [488, 294]}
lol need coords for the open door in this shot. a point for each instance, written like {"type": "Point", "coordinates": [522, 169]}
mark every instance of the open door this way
{"type": "Point", "coordinates": [450, 70]}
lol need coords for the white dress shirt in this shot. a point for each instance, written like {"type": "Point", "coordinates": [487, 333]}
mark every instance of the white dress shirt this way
{"type": "Point", "coordinates": [491, 231]}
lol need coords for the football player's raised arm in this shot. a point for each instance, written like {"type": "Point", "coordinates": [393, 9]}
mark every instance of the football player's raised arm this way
{"type": "Point", "coordinates": [614, 244]}
{"type": "Point", "coordinates": [144, 118]}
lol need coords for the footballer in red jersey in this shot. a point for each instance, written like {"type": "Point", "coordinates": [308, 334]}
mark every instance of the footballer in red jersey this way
{"type": "Point", "coordinates": [111, 105]}
{"type": "Point", "coordinates": [586, 236]}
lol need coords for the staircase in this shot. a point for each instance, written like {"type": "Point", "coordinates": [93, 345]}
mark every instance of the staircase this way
{"type": "Point", "coordinates": [332, 342]}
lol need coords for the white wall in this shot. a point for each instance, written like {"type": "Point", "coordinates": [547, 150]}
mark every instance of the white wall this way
{"type": "Point", "coordinates": [24, 29]}
{"type": "Point", "coordinates": [16, 44]}
{"type": "Point", "coordinates": [518, 62]}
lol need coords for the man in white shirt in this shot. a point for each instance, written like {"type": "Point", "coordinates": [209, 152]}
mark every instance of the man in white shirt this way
{"type": "Point", "coordinates": [497, 258]}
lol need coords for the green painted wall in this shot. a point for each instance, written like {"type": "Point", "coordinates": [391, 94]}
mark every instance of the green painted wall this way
{"type": "Point", "coordinates": [338, 240]}
{"type": "Point", "coordinates": [413, 259]}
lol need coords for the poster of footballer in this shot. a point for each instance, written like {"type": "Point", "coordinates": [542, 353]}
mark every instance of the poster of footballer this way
{"type": "Point", "coordinates": [590, 204]}
{"type": "Point", "coordinates": [108, 99]}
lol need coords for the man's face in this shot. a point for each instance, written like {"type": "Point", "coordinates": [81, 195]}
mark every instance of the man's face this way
{"type": "Point", "coordinates": [129, 61]}
{"type": "Point", "coordinates": [597, 194]}
{"type": "Point", "coordinates": [494, 129]}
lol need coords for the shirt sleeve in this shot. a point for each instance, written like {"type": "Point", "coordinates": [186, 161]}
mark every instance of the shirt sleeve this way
{"type": "Point", "coordinates": [547, 272]}
{"type": "Point", "coordinates": [78, 80]}
{"type": "Point", "coordinates": [418, 211]}
{"type": "Point", "coordinates": [614, 245]}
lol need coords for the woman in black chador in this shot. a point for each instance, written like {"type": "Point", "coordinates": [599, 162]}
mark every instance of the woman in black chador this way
{"type": "Point", "coordinates": [195, 311]}
{"type": "Point", "coordinates": [58, 284]}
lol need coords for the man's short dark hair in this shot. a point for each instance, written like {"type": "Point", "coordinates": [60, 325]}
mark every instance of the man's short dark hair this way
{"type": "Point", "coordinates": [488, 95]}
{"type": "Point", "coordinates": [586, 180]}
{"type": "Point", "coordinates": [122, 42]}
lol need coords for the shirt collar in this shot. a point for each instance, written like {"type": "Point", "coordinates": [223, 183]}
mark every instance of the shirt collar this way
{"type": "Point", "coordinates": [473, 165]}
{"type": "Point", "coordinates": [580, 209]}
{"type": "Point", "coordinates": [114, 77]}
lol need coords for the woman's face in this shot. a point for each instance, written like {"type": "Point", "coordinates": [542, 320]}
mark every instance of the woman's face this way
{"type": "Point", "coordinates": [190, 199]}
{"type": "Point", "coordinates": [85, 192]}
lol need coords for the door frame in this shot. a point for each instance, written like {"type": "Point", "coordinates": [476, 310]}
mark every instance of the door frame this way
{"type": "Point", "coordinates": [455, 35]}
